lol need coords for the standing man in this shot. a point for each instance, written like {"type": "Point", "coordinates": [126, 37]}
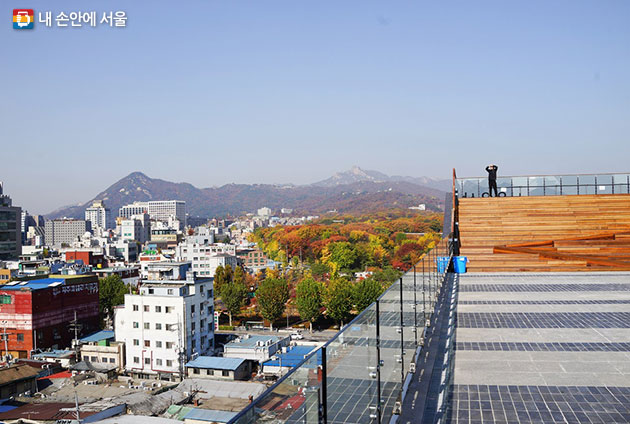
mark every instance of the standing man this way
{"type": "Point", "coordinates": [492, 180]}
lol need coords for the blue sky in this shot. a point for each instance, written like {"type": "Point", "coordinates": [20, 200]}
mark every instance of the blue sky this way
{"type": "Point", "coordinates": [213, 92]}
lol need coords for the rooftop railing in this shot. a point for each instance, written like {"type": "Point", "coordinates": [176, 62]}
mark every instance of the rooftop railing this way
{"type": "Point", "coordinates": [362, 372]}
{"type": "Point", "coordinates": [545, 185]}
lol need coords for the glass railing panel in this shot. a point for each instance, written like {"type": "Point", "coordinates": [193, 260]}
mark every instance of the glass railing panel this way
{"type": "Point", "coordinates": [621, 188]}
{"type": "Point", "coordinates": [584, 180]}
{"type": "Point", "coordinates": [471, 188]}
{"type": "Point", "coordinates": [569, 180]}
{"type": "Point", "coordinates": [351, 361]}
{"type": "Point", "coordinates": [621, 179]}
{"type": "Point", "coordinates": [604, 179]}
{"type": "Point", "coordinates": [587, 189]}
{"type": "Point", "coordinates": [392, 362]}
{"type": "Point", "coordinates": [294, 399]}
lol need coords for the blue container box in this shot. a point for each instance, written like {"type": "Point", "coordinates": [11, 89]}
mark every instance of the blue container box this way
{"type": "Point", "coordinates": [460, 264]}
{"type": "Point", "coordinates": [442, 264]}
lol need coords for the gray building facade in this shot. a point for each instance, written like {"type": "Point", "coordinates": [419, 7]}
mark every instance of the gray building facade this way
{"type": "Point", "coordinates": [10, 228]}
{"type": "Point", "coordinates": [60, 232]}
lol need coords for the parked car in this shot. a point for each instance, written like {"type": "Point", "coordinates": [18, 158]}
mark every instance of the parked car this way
{"type": "Point", "coordinates": [296, 336]}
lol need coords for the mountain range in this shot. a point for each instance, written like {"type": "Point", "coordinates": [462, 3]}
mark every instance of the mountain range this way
{"type": "Point", "coordinates": [353, 191]}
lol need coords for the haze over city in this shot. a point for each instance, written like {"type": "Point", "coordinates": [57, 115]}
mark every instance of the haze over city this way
{"type": "Point", "coordinates": [292, 92]}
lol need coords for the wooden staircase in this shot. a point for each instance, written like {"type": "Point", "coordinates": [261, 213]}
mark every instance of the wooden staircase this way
{"type": "Point", "coordinates": [546, 233]}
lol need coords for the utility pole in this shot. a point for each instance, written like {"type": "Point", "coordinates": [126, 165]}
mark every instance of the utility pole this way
{"type": "Point", "coordinates": [5, 337]}
{"type": "Point", "coordinates": [76, 327]}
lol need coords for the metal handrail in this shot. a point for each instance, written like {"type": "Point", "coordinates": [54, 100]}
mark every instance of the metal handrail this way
{"type": "Point", "coordinates": [548, 175]}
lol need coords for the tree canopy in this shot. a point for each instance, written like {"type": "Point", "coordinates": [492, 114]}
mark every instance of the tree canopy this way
{"type": "Point", "coordinates": [111, 292]}
{"type": "Point", "coordinates": [272, 295]}
{"type": "Point", "coordinates": [309, 299]}
{"type": "Point", "coordinates": [339, 296]}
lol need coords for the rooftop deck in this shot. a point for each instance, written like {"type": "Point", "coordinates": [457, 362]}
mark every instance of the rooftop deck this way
{"type": "Point", "coordinates": [541, 348]}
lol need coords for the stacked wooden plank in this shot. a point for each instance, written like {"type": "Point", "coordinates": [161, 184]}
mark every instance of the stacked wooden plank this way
{"type": "Point", "coordinates": [570, 228]}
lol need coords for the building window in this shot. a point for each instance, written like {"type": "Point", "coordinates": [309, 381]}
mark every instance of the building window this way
{"type": "Point", "coordinates": [136, 342]}
{"type": "Point", "coordinates": [146, 307]}
{"type": "Point", "coordinates": [158, 362]}
{"type": "Point", "coordinates": [5, 299]}
{"type": "Point", "coordinates": [209, 372]}
{"type": "Point", "coordinates": [135, 308]}
{"type": "Point", "coordinates": [111, 360]}
{"type": "Point", "coordinates": [136, 324]}
{"type": "Point", "coordinates": [169, 291]}
{"type": "Point", "coordinates": [136, 360]}
{"type": "Point", "coordinates": [158, 326]}
{"type": "Point", "coordinates": [20, 337]}
{"type": "Point", "coordinates": [192, 309]}
{"type": "Point", "coordinates": [194, 344]}
{"type": "Point", "coordinates": [158, 309]}
{"type": "Point", "coordinates": [225, 373]}
{"type": "Point", "coordinates": [147, 361]}
{"type": "Point", "coordinates": [158, 344]}
{"type": "Point", "coordinates": [147, 343]}
{"type": "Point", "coordinates": [147, 326]}
{"type": "Point", "coordinates": [169, 363]}
{"type": "Point", "coordinates": [192, 326]}
{"type": "Point", "coordinates": [168, 309]}
{"type": "Point", "coordinates": [195, 370]}
{"type": "Point", "coordinates": [169, 345]}
{"type": "Point", "coordinates": [151, 291]}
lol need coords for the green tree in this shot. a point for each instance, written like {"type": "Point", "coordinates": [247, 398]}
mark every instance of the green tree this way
{"type": "Point", "coordinates": [340, 253]}
{"type": "Point", "coordinates": [339, 299]}
{"type": "Point", "coordinates": [365, 292]}
{"type": "Point", "coordinates": [222, 275]}
{"type": "Point", "coordinates": [309, 299]}
{"type": "Point", "coordinates": [272, 295]}
{"type": "Point", "coordinates": [239, 275]}
{"type": "Point", "coordinates": [233, 296]}
{"type": "Point", "coordinates": [111, 292]}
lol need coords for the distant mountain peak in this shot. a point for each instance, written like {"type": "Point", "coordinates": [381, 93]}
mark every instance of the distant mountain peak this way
{"type": "Point", "coordinates": [356, 189]}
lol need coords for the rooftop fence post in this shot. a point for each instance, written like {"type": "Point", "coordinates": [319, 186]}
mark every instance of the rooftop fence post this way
{"type": "Point", "coordinates": [415, 309]}
{"type": "Point", "coordinates": [402, 336]}
{"type": "Point", "coordinates": [378, 361]}
{"type": "Point", "coordinates": [324, 403]}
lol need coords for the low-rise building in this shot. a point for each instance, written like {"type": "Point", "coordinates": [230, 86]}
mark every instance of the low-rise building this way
{"type": "Point", "coordinates": [218, 368]}
{"type": "Point", "coordinates": [37, 313]}
{"type": "Point", "coordinates": [18, 379]}
{"type": "Point", "coordinates": [206, 259]}
{"type": "Point", "coordinates": [254, 347]}
{"type": "Point", "coordinates": [102, 348]}
{"type": "Point", "coordinates": [288, 358]}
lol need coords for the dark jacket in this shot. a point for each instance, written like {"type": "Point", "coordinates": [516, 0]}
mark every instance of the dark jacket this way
{"type": "Point", "coordinates": [492, 172]}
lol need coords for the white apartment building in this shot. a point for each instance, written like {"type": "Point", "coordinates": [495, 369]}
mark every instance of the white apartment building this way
{"type": "Point", "coordinates": [99, 216]}
{"type": "Point", "coordinates": [160, 210]}
{"type": "Point", "coordinates": [165, 325]}
{"type": "Point", "coordinates": [136, 227]}
{"type": "Point", "coordinates": [207, 258]}
{"type": "Point", "coordinates": [264, 212]}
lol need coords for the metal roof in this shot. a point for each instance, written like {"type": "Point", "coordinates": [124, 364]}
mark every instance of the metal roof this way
{"type": "Point", "coordinates": [98, 336]}
{"type": "Point", "coordinates": [43, 283]}
{"type": "Point", "coordinates": [210, 415]}
{"type": "Point", "coordinates": [215, 362]}
{"type": "Point", "coordinates": [252, 341]}
{"type": "Point", "coordinates": [293, 357]}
